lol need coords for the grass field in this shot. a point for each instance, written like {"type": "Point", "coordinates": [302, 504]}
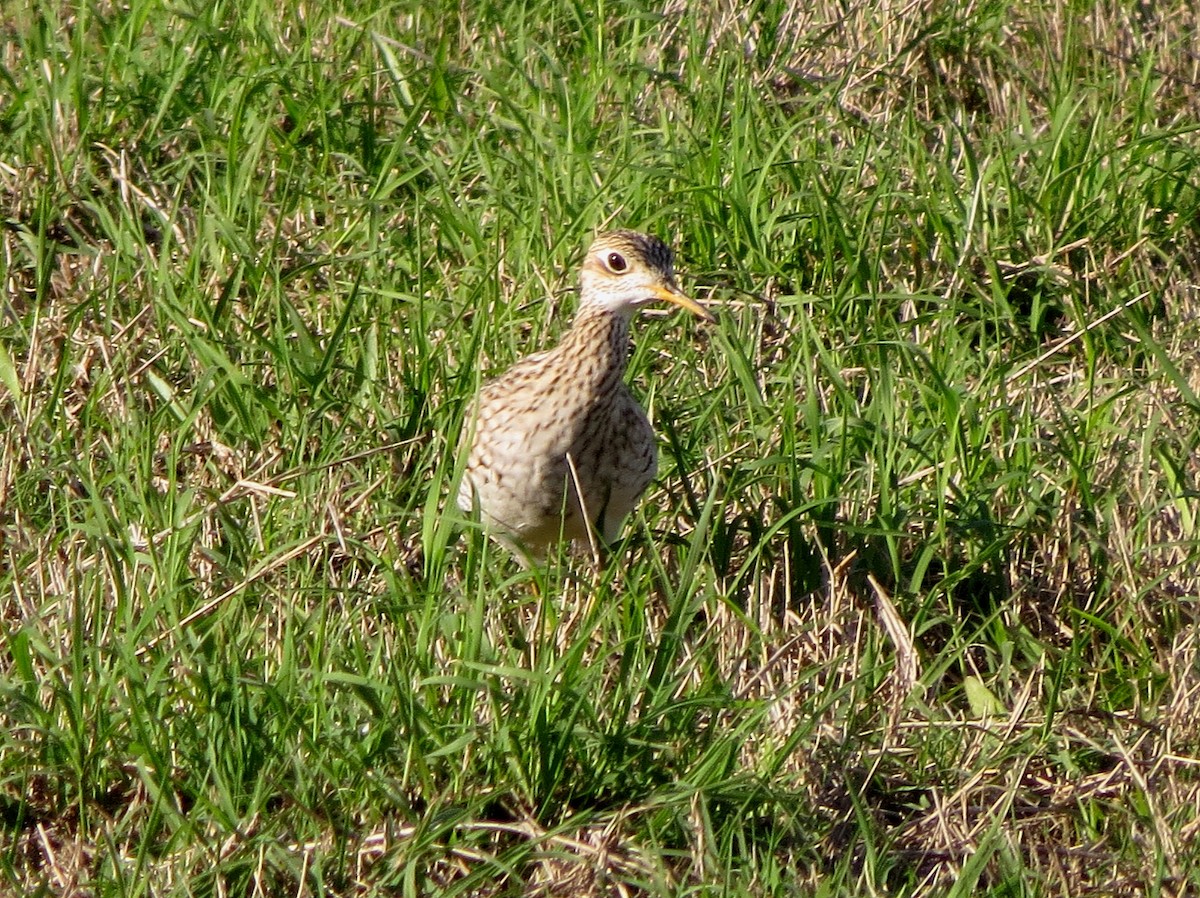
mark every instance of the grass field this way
{"type": "Point", "coordinates": [912, 608]}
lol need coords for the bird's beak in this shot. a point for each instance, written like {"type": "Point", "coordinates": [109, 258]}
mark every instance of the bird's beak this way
{"type": "Point", "coordinates": [675, 296]}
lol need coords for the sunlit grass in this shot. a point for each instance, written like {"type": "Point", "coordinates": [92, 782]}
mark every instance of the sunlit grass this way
{"type": "Point", "coordinates": [910, 606]}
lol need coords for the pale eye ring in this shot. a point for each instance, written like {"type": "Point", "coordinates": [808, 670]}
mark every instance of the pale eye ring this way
{"type": "Point", "coordinates": [616, 263]}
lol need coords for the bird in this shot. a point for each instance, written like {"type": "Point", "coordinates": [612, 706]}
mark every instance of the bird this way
{"type": "Point", "coordinates": [559, 447]}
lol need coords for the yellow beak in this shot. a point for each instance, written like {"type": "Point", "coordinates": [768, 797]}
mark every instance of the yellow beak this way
{"type": "Point", "coordinates": [675, 296]}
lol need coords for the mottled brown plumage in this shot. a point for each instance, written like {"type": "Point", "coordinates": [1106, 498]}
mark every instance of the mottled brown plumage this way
{"type": "Point", "coordinates": [558, 440]}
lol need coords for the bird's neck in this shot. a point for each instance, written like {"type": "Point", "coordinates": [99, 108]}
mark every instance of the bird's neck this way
{"type": "Point", "coordinates": [597, 345]}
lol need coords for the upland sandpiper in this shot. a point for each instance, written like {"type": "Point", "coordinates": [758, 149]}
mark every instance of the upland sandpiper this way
{"type": "Point", "coordinates": [560, 448]}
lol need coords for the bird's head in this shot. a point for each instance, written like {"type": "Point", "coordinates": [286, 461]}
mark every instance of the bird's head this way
{"type": "Point", "coordinates": [625, 270]}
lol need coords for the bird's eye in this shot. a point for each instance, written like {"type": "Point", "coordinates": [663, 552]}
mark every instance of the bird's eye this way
{"type": "Point", "coordinates": [616, 263]}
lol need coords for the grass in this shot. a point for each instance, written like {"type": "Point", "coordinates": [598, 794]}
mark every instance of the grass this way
{"type": "Point", "coordinates": [911, 609]}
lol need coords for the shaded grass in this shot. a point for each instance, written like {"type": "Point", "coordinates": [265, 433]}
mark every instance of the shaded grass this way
{"type": "Point", "coordinates": [911, 607]}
